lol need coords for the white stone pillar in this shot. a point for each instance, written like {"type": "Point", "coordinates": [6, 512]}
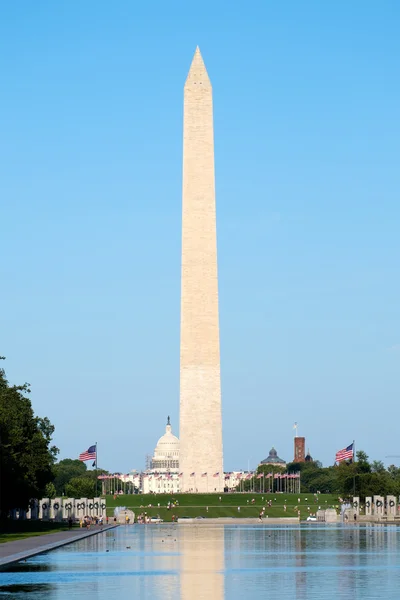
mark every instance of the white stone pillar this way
{"type": "Point", "coordinates": [378, 506]}
{"type": "Point", "coordinates": [96, 507]}
{"type": "Point", "coordinates": [368, 506]}
{"type": "Point", "coordinates": [103, 508]}
{"type": "Point", "coordinates": [68, 508]}
{"type": "Point", "coordinates": [80, 508]}
{"type": "Point", "coordinates": [56, 509]}
{"type": "Point", "coordinates": [33, 512]}
{"type": "Point", "coordinates": [44, 509]}
{"type": "Point", "coordinates": [356, 505]}
{"type": "Point", "coordinates": [391, 505]}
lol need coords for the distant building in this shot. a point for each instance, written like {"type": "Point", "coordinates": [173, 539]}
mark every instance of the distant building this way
{"type": "Point", "coordinates": [166, 453]}
{"type": "Point", "coordinates": [299, 449]}
{"type": "Point", "coordinates": [163, 477]}
{"type": "Point", "coordinates": [273, 459]}
{"type": "Point", "coordinates": [308, 458]}
{"type": "Point", "coordinates": [233, 479]}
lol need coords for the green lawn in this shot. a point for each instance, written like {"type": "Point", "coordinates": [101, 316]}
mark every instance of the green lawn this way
{"type": "Point", "coordinates": [18, 530]}
{"type": "Point", "coordinates": [195, 505]}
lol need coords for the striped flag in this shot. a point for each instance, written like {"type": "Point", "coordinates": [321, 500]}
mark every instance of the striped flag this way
{"type": "Point", "coordinates": [192, 474]}
{"type": "Point", "coordinates": [260, 475]}
{"type": "Point", "coordinates": [89, 454]}
{"type": "Point", "coordinates": [345, 454]}
{"type": "Point", "coordinates": [180, 475]}
{"type": "Point", "coordinates": [216, 475]}
{"type": "Point", "coordinates": [204, 474]}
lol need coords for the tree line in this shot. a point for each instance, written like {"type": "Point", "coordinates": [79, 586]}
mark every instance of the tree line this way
{"type": "Point", "coordinates": [361, 477]}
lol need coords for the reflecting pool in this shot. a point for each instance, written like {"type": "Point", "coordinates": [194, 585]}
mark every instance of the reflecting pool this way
{"type": "Point", "coordinates": [190, 562]}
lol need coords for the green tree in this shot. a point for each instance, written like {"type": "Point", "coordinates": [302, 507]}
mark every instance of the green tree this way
{"type": "Point", "coordinates": [26, 457]}
{"type": "Point", "coordinates": [68, 469]}
{"type": "Point", "coordinates": [80, 487]}
{"type": "Point", "coordinates": [377, 466]}
{"type": "Point", "coordinates": [50, 490]}
{"type": "Point", "coordinates": [362, 461]}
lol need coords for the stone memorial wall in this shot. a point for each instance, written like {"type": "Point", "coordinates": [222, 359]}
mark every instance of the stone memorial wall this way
{"type": "Point", "coordinates": [62, 509]}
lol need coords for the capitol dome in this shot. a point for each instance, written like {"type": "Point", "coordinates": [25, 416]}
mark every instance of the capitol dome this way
{"type": "Point", "coordinates": [166, 453]}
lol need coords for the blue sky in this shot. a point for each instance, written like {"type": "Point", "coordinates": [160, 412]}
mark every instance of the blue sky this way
{"type": "Point", "coordinates": [307, 145]}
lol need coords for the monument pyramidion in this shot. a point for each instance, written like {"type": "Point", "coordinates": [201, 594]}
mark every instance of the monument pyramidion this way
{"type": "Point", "coordinates": [201, 457]}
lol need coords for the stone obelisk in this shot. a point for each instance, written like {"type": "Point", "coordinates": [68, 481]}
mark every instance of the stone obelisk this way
{"type": "Point", "coordinates": [201, 461]}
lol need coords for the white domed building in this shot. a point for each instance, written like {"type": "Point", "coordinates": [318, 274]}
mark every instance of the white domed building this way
{"type": "Point", "coordinates": [163, 477]}
{"type": "Point", "coordinates": [166, 453]}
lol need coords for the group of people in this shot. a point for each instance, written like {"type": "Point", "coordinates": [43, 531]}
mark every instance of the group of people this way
{"type": "Point", "coordinates": [88, 521]}
{"type": "Point", "coordinates": [143, 519]}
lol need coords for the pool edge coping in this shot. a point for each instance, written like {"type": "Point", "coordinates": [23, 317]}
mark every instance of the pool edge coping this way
{"type": "Point", "coordinates": [15, 558]}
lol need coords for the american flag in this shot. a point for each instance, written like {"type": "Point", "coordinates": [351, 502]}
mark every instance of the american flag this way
{"type": "Point", "coordinates": [204, 474]}
{"type": "Point", "coordinates": [192, 474]}
{"type": "Point", "coordinates": [89, 454]}
{"type": "Point", "coordinates": [277, 476]}
{"type": "Point", "coordinates": [260, 475]}
{"type": "Point", "coordinates": [180, 474]}
{"type": "Point", "coordinates": [216, 475]}
{"type": "Point", "coordinates": [344, 454]}
{"type": "Point", "coordinates": [269, 475]}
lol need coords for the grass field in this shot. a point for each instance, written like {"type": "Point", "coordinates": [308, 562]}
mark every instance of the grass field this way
{"type": "Point", "coordinates": [196, 505]}
{"type": "Point", "coordinates": [18, 530]}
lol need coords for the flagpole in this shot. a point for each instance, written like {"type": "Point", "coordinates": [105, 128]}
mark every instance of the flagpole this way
{"type": "Point", "coordinates": [95, 466]}
{"type": "Point", "coordinates": [354, 470]}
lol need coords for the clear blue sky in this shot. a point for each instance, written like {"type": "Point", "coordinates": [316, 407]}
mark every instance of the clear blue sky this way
{"type": "Point", "coordinates": [307, 131]}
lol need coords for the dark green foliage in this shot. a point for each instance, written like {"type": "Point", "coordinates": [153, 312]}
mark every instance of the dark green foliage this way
{"type": "Point", "coordinates": [26, 457]}
{"type": "Point", "coordinates": [66, 470]}
{"type": "Point", "coordinates": [364, 477]}
{"type": "Point", "coordinates": [72, 478]}
{"type": "Point", "coordinates": [81, 487]}
{"type": "Point", "coordinates": [50, 490]}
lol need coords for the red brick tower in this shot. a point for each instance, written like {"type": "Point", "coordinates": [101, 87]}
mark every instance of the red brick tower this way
{"type": "Point", "coordinates": [299, 449]}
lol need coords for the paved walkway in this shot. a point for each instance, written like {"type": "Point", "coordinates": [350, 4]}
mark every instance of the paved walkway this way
{"type": "Point", "coordinates": [11, 552]}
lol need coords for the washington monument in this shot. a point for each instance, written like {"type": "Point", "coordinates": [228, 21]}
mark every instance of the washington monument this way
{"type": "Point", "coordinates": [201, 461]}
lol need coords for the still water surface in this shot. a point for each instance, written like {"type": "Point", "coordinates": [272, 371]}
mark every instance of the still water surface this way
{"type": "Point", "coordinates": [190, 562]}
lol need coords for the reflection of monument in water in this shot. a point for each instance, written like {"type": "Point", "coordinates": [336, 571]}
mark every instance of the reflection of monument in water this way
{"type": "Point", "coordinates": [202, 562]}
{"type": "Point", "coordinates": [201, 461]}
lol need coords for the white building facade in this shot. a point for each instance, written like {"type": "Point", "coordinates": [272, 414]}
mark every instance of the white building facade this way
{"type": "Point", "coordinates": [163, 477]}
